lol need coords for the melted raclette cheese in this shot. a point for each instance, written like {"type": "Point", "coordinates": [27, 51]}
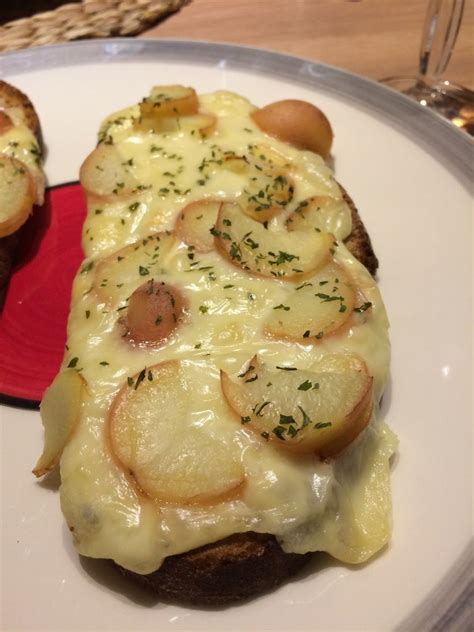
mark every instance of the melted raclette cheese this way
{"type": "Point", "coordinates": [340, 505]}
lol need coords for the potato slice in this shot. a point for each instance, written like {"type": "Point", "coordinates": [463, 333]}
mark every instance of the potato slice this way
{"type": "Point", "coordinates": [195, 222]}
{"type": "Point", "coordinates": [322, 212]}
{"type": "Point", "coordinates": [196, 124]}
{"type": "Point", "coordinates": [298, 123]}
{"type": "Point", "coordinates": [157, 436]}
{"type": "Point", "coordinates": [168, 101]}
{"type": "Point", "coordinates": [107, 175]}
{"type": "Point", "coordinates": [269, 253]}
{"type": "Point", "coordinates": [316, 308]}
{"type": "Point", "coordinates": [154, 311]}
{"type": "Point", "coordinates": [123, 271]}
{"type": "Point", "coordinates": [265, 155]}
{"type": "Point", "coordinates": [319, 411]}
{"type": "Point", "coordinates": [17, 194]}
{"type": "Point", "coordinates": [60, 414]}
{"type": "Point", "coordinates": [267, 190]}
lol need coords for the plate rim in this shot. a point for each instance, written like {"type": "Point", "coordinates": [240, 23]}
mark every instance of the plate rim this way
{"type": "Point", "coordinates": [449, 602]}
{"type": "Point", "coordinates": [454, 146]}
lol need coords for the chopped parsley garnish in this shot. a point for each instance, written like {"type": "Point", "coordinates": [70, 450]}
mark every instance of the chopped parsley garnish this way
{"type": "Point", "coordinates": [140, 378]}
{"type": "Point", "coordinates": [73, 363]}
{"type": "Point", "coordinates": [362, 308]}
{"type": "Point", "coordinates": [251, 379]}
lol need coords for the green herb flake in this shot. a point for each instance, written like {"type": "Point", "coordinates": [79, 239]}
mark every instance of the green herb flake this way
{"type": "Point", "coordinates": [87, 267]}
{"type": "Point", "coordinates": [251, 379]}
{"type": "Point", "coordinates": [140, 378]}
{"type": "Point", "coordinates": [362, 308]}
{"type": "Point", "coordinates": [321, 425]}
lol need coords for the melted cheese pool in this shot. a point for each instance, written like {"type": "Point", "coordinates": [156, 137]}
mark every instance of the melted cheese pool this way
{"type": "Point", "coordinates": [340, 505]}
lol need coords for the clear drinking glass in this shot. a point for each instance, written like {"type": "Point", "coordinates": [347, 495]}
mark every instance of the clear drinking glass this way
{"type": "Point", "coordinates": [440, 31]}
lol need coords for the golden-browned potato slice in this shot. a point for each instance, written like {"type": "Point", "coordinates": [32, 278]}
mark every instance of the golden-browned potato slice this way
{"type": "Point", "coordinates": [156, 435]}
{"type": "Point", "coordinates": [316, 308]}
{"type": "Point", "coordinates": [107, 175]}
{"type": "Point", "coordinates": [123, 271]}
{"type": "Point", "coordinates": [60, 414]}
{"type": "Point", "coordinates": [248, 244]}
{"type": "Point", "coordinates": [12, 99]}
{"type": "Point", "coordinates": [195, 222]}
{"type": "Point", "coordinates": [154, 311]}
{"type": "Point", "coordinates": [318, 411]}
{"type": "Point", "coordinates": [17, 194]}
{"type": "Point", "coordinates": [322, 212]}
{"type": "Point", "coordinates": [267, 190]}
{"type": "Point", "coordinates": [168, 101]}
{"type": "Point", "coordinates": [298, 123]}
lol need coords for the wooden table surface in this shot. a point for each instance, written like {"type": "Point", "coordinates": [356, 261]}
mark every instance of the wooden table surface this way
{"type": "Point", "coordinates": [374, 38]}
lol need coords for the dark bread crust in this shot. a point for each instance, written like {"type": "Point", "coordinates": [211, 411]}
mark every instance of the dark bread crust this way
{"type": "Point", "coordinates": [238, 567]}
{"type": "Point", "coordinates": [8, 247]}
{"type": "Point", "coordinates": [11, 97]}
{"type": "Point", "coordinates": [243, 565]}
{"type": "Point", "coordinates": [358, 241]}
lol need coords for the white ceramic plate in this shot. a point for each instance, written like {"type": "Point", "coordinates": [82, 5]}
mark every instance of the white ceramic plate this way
{"type": "Point", "coordinates": [408, 172]}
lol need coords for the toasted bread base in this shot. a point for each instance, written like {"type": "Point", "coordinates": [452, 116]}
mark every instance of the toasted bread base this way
{"type": "Point", "coordinates": [11, 97]}
{"type": "Point", "coordinates": [236, 568]}
{"type": "Point", "coordinates": [243, 565]}
{"type": "Point", "coordinates": [358, 241]}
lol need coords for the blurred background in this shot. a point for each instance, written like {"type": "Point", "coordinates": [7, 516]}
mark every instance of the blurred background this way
{"type": "Point", "coordinates": [372, 38]}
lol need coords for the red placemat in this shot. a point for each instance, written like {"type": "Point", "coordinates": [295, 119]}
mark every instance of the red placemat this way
{"type": "Point", "coordinates": [34, 316]}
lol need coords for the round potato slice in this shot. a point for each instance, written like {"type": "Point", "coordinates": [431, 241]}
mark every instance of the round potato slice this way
{"type": "Point", "coordinates": [17, 194]}
{"type": "Point", "coordinates": [322, 212]}
{"type": "Point", "coordinates": [60, 414]}
{"type": "Point", "coordinates": [195, 124]}
{"type": "Point", "coordinates": [13, 99]}
{"type": "Point", "coordinates": [107, 175]}
{"type": "Point", "coordinates": [316, 308]}
{"type": "Point", "coordinates": [298, 123]}
{"type": "Point", "coordinates": [169, 101]}
{"type": "Point", "coordinates": [195, 222]}
{"type": "Point", "coordinates": [120, 273]}
{"type": "Point", "coordinates": [268, 190]}
{"type": "Point", "coordinates": [319, 411]}
{"type": "Point", "coordinates": [157, 437]}
{"type": "Point", "coordinates": [154, 311]}
{"type": "Point", "coordinates": [248, 244]}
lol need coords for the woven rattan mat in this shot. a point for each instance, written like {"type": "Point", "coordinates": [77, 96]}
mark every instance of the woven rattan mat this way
{"type": "Point", "coordinates": [88, 19]}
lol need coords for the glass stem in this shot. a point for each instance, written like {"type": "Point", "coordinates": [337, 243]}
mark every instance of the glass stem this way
{"type": "Point", "coordinates": [440, 31]}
